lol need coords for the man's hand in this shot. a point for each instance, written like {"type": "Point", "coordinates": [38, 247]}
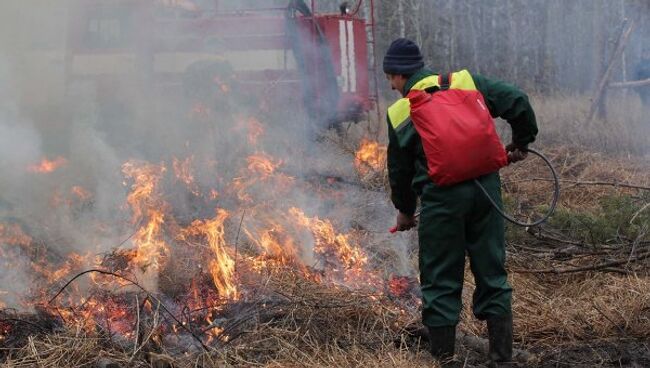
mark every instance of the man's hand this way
{"type": "Point", "coordinates": [404, 222]}
{"type": "Point", "coordinates": [515, 153]}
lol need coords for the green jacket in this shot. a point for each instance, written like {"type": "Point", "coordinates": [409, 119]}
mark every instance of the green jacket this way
{"type": "Point", "coordinates": [407, 166]}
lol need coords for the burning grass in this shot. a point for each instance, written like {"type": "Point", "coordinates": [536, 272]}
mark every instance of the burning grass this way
{"type": "Point", "coordinates": [300, 322]}
{"type": "Point", "coordinates": [260, 279]}
{"type": "Point", "coordinates": [291, 320]}
{"type": "Point", "coordinates": [270, 284]}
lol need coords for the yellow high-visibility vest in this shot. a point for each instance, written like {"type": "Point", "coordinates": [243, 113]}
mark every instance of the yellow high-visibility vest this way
{"type": "Point", "coordinates": [400, 111]}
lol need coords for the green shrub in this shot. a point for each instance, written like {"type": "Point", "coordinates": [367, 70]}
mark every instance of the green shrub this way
{"type": "Point", "coordinates": [612, 222]}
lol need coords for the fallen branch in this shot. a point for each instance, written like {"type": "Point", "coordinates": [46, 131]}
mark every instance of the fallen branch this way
{"type": "Point", "coordinates": [579, 183]}
{"type": "Point", "coordinates": [535, 249]}
{"type": "Point", "coordinates": [538, 235]}
{"type": "Point", "coordinates": [601, 266]}
{"type": "Point", "coordinates": [632, 84]}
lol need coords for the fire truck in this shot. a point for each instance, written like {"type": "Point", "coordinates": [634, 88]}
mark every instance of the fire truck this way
{"type": "Point", "coordinates": [320, 62]}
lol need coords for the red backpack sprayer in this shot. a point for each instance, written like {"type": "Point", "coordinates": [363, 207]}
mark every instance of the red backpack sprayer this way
{"type": "Point", "coordinates": [460, 141]}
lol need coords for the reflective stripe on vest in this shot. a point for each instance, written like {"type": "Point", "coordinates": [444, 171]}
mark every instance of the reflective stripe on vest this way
{"type": "Point", "coordinates": [400, 111]}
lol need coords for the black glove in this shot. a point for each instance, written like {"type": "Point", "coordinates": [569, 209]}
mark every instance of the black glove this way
{"type": "Point", "coordinates": [516, 152]}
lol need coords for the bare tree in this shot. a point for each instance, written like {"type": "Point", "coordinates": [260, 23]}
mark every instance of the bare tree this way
{"type": "Point", "coordinates": [540, 44]}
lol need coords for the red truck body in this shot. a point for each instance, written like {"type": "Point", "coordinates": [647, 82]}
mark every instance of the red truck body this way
{"type": "Point", "coordinates": [272, 51]}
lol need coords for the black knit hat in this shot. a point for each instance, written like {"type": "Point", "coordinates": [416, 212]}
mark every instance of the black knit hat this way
{"type": "Point", "coordinates": [403, 57]}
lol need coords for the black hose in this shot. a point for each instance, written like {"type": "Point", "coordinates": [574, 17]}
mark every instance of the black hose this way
{"type": "Point", "coordinates": [556, 195]}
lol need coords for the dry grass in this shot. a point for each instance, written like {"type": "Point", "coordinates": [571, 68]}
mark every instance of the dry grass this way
{"type": "Point", "coordinates": [576, 319]}
{"type": "Point", "coordinates": [83, 351]}
{"type": "Point", "coordinates": [324, 326]}
{"type": "Point", "coordinates": [553, 310]}
{"type": "Point", "coordinates": [606, 303]}
{"type": "Point", "coordinates": [308, 324]}
{"type": "Point", "coordinates": [624, 129]}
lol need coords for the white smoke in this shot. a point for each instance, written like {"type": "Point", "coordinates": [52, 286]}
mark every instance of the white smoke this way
{"type": "Point", "coordinates": [43, 115]}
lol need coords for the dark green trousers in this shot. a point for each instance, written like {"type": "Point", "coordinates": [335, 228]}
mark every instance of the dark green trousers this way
{"type": "Point", "coordinates": [457, 221]}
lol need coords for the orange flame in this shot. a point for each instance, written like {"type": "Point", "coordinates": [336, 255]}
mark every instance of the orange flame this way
{"type": "Point", "coordinates": [275, 244]}
{"type": "Point", "coordinates": [12, 234]}
{"type": "Point", "coordinates": [146, 204]}
{"type": "Point", "coordinates": [148, 240]}
{"type": "Point", "coordinates": [370, 156]}
{"type": "Point", "coordinates": [146, 179]}
{"type": "Point", "coordinates": [74, 261]}
{"type": "Point", "coordinates": [260, 169]}
{"type": "Point", "coordinates": [262, 164]}
{"type": "Point", "coordinates": [222, 266]}
{"type": "Point", "coordinates": [47, 166]}
{"type": "Point", "coordinates": [330, 244]}
{"type": "Point", "coordinates": [183, 172]}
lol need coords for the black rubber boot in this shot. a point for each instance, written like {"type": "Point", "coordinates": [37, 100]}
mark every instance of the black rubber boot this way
{"type": "Point", "coordinates": [442, 341]}
{"type": "Point", "coordinates": [500, 338]}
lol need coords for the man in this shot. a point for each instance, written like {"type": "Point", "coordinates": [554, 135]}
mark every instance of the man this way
{"type": "Point", "coordinates": [454, 220]}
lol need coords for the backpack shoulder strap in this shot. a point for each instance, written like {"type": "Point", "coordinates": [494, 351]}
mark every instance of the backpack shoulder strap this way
{"type": "Point", "coordinates": [444, 80]}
